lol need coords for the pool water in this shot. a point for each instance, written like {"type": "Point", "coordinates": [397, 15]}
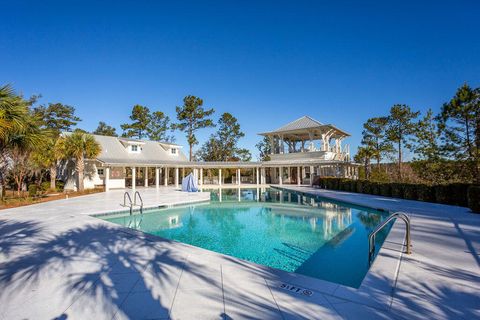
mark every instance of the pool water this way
{"type": "Point", "coordinates": [283, 230]}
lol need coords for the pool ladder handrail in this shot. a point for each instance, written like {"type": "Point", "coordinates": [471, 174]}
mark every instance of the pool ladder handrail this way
{"type": "Point", "coordinates": [126, 196]}
{"type": "Point", "coordinates": [371, 236]}
{"type": "Point", "coordinates": [135, 201]}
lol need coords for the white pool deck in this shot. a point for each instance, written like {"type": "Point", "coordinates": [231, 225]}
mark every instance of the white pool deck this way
{"type": "Point", "coordinates": [56, 262]}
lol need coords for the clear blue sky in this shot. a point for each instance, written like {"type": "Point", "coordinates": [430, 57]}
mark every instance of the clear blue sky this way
{"type": "Point", "coordinates": [266, 62]}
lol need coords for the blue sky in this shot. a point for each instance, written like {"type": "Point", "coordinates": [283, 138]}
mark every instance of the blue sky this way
{"type": "Point", "coordinates": [266, 62]}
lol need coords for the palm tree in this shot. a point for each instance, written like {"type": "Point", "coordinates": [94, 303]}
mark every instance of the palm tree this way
{"type": "Point", "coordinates": [80, 146]}
{"type": "Point", "coordinates": [49, 157]}
{"type": "Point", "coordinates": [20, 134]}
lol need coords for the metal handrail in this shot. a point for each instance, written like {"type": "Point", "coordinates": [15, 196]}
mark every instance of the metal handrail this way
{"type": "Point", "coordinates": [135, 201]}
{"type": "Point", "coordinates": [125, 196]}
{"type": "Point", "coordinates": [371, 236]}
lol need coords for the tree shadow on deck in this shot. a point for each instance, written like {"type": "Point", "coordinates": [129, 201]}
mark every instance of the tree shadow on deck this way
{"type": "Point", "coordinates": [95, 271]}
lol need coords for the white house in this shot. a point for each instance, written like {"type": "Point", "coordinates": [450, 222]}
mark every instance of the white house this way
{"type": "Point", "coordinates": [301, 149]}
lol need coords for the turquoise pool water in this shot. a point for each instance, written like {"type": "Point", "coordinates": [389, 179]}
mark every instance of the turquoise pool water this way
{"type": "Point", "coordinates": [279, 229]}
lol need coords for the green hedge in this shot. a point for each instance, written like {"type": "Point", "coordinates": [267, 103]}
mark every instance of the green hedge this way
{"type": "Point", "coordinates": [458, 194]}
{"type": "Point", "coordinates": [473, 195]}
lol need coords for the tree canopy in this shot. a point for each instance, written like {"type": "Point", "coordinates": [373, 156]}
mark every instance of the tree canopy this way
{"type": "Point", "coordinates": [264, 148]}
{"type": "Point", "coordinates": [57, 117]}
{"type": "Point", "coordinates": [191, 117]}
{"type": "Point", "coordinates": [140, 117]}
{"type": "Point", "coordinates": [104, 129]}
{"type": "Point", "coordinates": [375, 139]}
{"type": "Point", "coordinates": [159, 126]}
{"type": "Point", "coordinates": [459, 121]}
{"type": "Point", "coordinates": [400, 128]}
{"type": "Point", "coordinates": [223, 145]}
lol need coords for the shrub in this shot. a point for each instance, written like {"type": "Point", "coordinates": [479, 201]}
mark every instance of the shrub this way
{"type": "Point", "coordinates": [453, 194]}
{"type": "Point", "coordinates": [410, 191]}
{"type": "Point", "coordinates": [45, 186]}
{"type": "Point", "coordinates": [396, 190]}
{"type": "Point", "coordinates": [473, 194]}
{"type": "Point", "coordinates": [59, 185]}
{"type": "Point", "coordinates": [458, 194]}
{"type": "Point", "coordinates": [375, 188]}
{"type": "Point", "coordinates": [32, 190]}
{"type": "Point", "coordinates": [425, 193]}
{"type": "Point", "coordinates": [359, 186]}
{"type": "Point", "coordinates": [441, 194]}
{"type": "Point", "coordinates": [385, 189]}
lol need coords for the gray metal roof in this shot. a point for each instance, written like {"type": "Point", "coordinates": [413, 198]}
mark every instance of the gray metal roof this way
{"type": "Point", "coordinates": [152, 152]}
{"type": "Point", "coordinates": [304, 122]}
{"type": "Point", "coordinates": [301, 126]}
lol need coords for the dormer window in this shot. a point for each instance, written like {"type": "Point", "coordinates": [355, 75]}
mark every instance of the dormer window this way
{"type": "Point", "coordinates": [174, 150]}
{"type": "Point", "coordinates": [134, 148]}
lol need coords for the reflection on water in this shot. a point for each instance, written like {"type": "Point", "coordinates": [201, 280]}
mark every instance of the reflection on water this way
{"type": "Point", "coordinates": [336, 218]}
{"type": "Point", "coordinates": [284, 230]}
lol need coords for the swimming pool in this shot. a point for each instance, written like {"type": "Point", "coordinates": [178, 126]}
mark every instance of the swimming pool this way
{"type": "Point", "coordinates": [284, 230]}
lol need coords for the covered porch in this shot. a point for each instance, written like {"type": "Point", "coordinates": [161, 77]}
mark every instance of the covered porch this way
{"type": "Point", "coordinates": [223, 174]}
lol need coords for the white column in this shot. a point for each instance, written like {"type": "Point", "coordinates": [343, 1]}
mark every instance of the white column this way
{"type": "Point", "coordinates": [262, 178]}
{"type": "Point", "coordinates": [257, 174]}
{"type": "Point", "coordinates": [165, 178]}
{"type": "Point", "coordinates": [157, 177]}
{"type": "Point", "coordinates": [145, 173]}
{"type": "Point", "coordinates": [238, 176]}
{"type": "Point", "coordinates": [299, 176]}
{"type": "Point", "coordinates": [134, 177]}
{"type": "Point", "coordinates": [201, 176]}
{"type": "Point", "coordinates": [289, 175]}
{"type": "Point", "coordinates": [176, 177]}
{"type": "Point", "coordinates": [311, 175]}
{"type": "Point", "coordinates": [107, 178]}
{"type": "Point", "coordinates": [183, 173]}
{"type": "Point", "coordinates": [220, 177]}
{"type": "Point", "coordinates": [280, 176]}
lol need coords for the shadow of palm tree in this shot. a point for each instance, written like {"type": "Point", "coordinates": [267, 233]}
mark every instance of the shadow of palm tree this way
{"type": "Point", "coordinates": [98, 269]}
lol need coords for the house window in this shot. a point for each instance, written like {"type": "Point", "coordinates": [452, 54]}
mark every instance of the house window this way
{"type": "Point", "coordinates": [100, 171]}
{"type": "Point", "coordinates": [174, 150]}
{"type": "Point", "coordinates": [134, 148]}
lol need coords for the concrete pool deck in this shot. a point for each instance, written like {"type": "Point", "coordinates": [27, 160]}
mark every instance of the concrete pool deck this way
{"type": "Point", "coordinates": [56, 262]}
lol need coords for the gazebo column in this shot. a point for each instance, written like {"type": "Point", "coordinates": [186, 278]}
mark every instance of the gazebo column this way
{"type": "Point", "coordinates": [176, 177]}
{"type": "Point", "coordinates": [107, 178]}
{"type": "Point", "coordinates": [310, 137]}
{"type": "Point", "coordinates": [183, 173]}
{"type": "Point", "coordinates": [280, 176]}
{"type": "Point", "coordinates": [262, 177]}
{"type": "Point", "coordinates": [272, 143]}
{"type": "Point", "coordinates": [134, 177]}
{"type": "Point", "coordinates": [145, 176]}
{"type": "Point", "coordinates": [219, 177]}
{"type": "Point", "coordinates": [157, 177]}
{"type": "Point", "coordinates": [201, 176]}
{"type": "Point", "coordinates": [299, 176]}
{"type": "Point", "coordinates": [165, 176]}
{"type": "Point", "coordinates": [282, 145]}
{"type": "Point", "coordinates": [257, 175]}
